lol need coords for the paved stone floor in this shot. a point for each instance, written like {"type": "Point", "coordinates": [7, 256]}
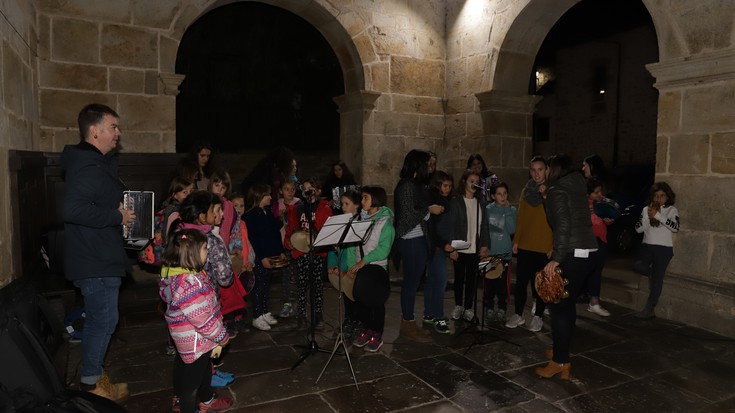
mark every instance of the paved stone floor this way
{"type": "Point", "coordinates": [619, 364]}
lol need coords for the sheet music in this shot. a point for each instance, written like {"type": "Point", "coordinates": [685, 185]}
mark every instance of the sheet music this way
{"type": "Point", "coordinates": [332, 231]}
{"type": "Point", "coordinates": [459, 244]}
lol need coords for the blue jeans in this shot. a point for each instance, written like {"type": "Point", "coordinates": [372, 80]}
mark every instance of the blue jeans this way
{"type": "Point", "coordinates": [436, 282]}
{"type": "Point", "coordinates": [100, 307]}
{"type": "Point", "coordinates": [414, 254]}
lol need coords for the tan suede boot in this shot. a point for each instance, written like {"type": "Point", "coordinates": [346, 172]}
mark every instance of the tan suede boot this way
{"type": "Point", "coordinates": [410, 331]}
{"type": "Point", "coordinates": [552, 369]}
{"type": "Point", "coordinates": [113, 391]}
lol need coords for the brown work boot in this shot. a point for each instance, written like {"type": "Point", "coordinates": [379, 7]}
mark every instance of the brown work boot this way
{"type": "Point", "coordinates": [552, 369]}
{"type": "Point", "coordinates": [115, 392]}
{"type": "Point", "coordinates": [410, 331]}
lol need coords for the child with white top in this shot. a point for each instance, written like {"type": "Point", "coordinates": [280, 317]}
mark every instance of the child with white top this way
{"type": "Point", "coordinates": [658, 222]}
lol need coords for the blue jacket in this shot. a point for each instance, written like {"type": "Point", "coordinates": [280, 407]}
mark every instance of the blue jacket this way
{"type": "Point", "coordinates": [502, 225]}
{"type": "Point", "coordinates": [93, 240]}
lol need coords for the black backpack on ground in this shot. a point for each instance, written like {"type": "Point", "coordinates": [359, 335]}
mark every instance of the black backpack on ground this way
{"type": "Point", "coordinates": [30, 341]}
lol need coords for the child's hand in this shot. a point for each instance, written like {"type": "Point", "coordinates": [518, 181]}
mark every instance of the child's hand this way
{"type": "Point", "coordinates": [484, 252]}
{"type": "Point", "coordinates": [266, 263]}
{"type": "Point", "coordinates": [216, 352]}
{"type": "Point", "coordinates": [436, 209]}
{"type": "Point", "coordinates": [355, 268]}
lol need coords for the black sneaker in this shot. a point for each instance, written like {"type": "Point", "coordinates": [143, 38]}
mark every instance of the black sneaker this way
{"type": "Point", "coordinates": [440, 325]}
{"type": "Point", "coordinates": [375, 343]}
{"type": "Point", "coordinates": [429, 320]}
{"type": "Point", "coordinates": [231, 330]}
{"type": "Point", "coordinates": [241, 325]}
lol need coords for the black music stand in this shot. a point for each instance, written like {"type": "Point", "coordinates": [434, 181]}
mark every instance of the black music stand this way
{"type": "Point", "coordinates": [341, 230]}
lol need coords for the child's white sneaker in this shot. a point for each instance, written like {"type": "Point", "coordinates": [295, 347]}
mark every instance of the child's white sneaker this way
{"type": "Point", "coordinates": [270, 319]}
{"type": "Point", "coordinates": [261, 324]}
{"type": "Point", "coordinates": [457, 312]}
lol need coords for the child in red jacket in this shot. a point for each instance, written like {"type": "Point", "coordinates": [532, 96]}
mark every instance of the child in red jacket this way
{"type": "Point", "coordinates": [313, 212]}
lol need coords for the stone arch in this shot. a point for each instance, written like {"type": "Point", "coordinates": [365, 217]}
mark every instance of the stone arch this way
{"type": "Point", "coordinates": [353, 106]}
{"type": "Point", "coordinates": [507, 104]}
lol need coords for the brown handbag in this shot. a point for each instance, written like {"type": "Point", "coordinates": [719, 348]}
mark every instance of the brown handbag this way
{"type": "Point", "coordinates": [551, 288]}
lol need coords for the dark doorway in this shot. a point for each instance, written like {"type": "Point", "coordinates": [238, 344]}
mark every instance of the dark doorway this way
{"type": "Point", "coordinates": [257, 77]}
{"type": "Point", "coordinates": [598, 96]}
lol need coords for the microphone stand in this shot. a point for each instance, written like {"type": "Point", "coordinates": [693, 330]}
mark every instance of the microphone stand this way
{"type": "Point", "coordinates": [312, 347]}
{"type": "Point", "coordinates": [479, 333]}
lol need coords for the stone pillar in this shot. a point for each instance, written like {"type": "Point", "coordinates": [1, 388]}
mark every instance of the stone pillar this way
{"type": "Point", "coordinates": [507, 122]}
{"type": "Point", "coordinates": [355, 109]}
{"type": "Point", "coordinates": [696, 156]}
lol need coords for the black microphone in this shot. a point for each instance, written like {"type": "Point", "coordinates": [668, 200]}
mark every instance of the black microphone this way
{"type": "Point", "coordinates": [307, 193]}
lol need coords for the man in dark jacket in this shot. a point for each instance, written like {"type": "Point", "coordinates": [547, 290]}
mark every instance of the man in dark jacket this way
{"type": "Point", "coordinates": [95, 259]}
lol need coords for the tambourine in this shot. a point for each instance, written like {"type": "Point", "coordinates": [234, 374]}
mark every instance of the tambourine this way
{"type": "Point", "coordinates": [278, 262]}
{"type": "Point", "coordinates": [492, 267]}
{"type": "Point", "coordinates": [607, 208]}
{"type": "Point", "coordinates": [300, 240]}
{"type": "Point", "coordinates": [551, 288]}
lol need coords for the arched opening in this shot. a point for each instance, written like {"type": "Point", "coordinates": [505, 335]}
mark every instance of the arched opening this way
{"type": "Point", "coordinates": [514, 103]}
{"type": "Point", "coordinates": [598, 98]}
{"type": "Point", "coordinates": [257, 77]}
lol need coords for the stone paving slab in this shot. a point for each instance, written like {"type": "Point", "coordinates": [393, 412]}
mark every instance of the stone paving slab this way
{"type": "Point", "coordinates": [619, 364]}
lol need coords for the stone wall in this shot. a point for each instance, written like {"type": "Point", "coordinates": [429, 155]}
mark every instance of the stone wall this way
{"type": "Point", "coordinates": [111, 52]}
{"type": "Point", "coordinates": [19, 120]}
{"type": "Point", "coordinates": [696, 155]}
{"type": "Point", "coordinates": [402, 47]}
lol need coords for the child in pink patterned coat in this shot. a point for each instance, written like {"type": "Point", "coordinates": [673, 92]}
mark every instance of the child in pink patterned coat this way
{"type": "Point", "coordinates": [194, 320]}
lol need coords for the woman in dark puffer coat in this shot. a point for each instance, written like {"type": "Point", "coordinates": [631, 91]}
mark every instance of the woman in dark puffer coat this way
{"type": "Point", "coordinates": [567, 212]}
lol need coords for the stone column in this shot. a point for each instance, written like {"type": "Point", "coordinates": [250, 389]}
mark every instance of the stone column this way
{"type": "Point", "coordinates": [355, 109]}
{"type": "Point", "coordinates": [507, 122]}
{"type": "Point", "coordinates": [696, 156]}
